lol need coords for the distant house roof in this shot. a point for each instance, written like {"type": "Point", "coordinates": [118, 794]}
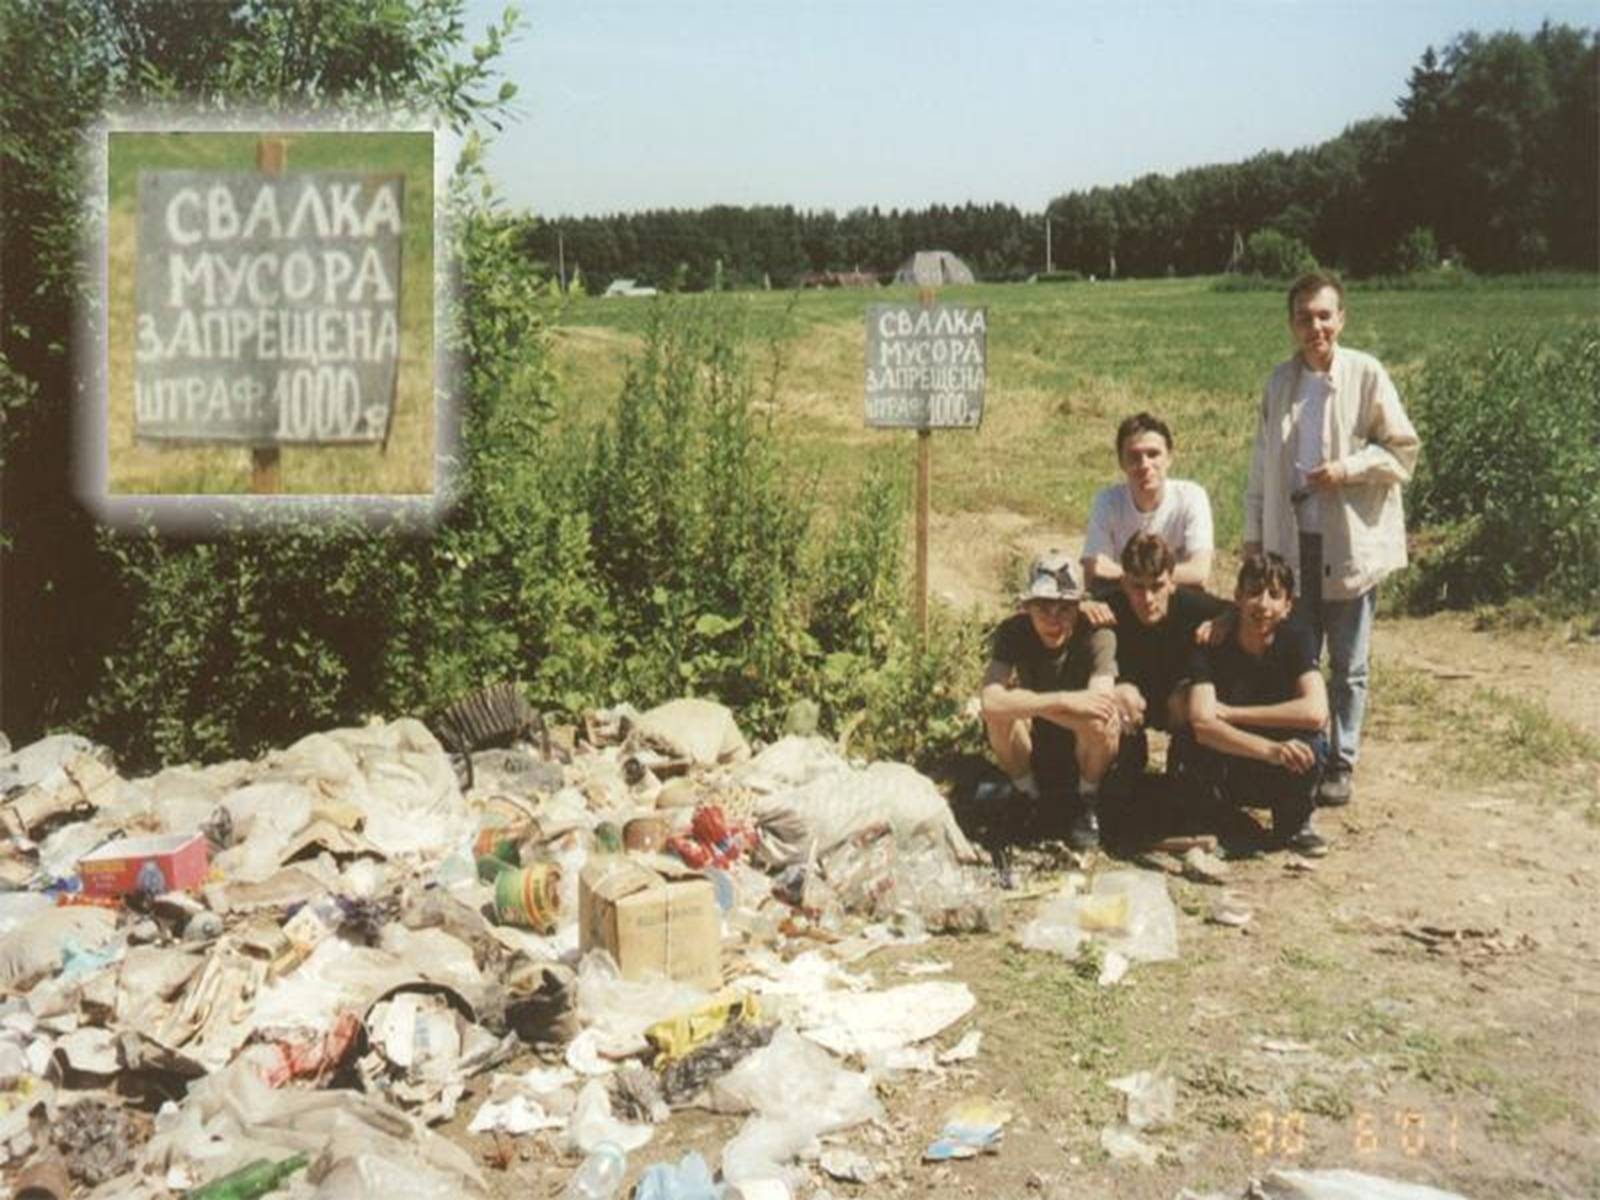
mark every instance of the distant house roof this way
{"type": "Point", "coordinates": [931, 268]}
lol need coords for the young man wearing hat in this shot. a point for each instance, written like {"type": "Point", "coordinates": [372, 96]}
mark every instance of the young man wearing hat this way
{"type": "Point", "coordinates": [1048, 704]}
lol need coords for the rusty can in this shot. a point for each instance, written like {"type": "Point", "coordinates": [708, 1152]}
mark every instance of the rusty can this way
{"type": "Point", "coordinates": [529, 896]}
{"type": "Point", "coordinates": [646, 834]}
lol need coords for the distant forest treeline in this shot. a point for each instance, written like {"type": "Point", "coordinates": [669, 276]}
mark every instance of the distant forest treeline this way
{"type": "Point", "coordinates": [1495, 157]}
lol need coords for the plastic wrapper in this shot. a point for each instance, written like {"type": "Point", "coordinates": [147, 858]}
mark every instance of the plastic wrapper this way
{"type": "Point", "coordinates": [618, 1011]}
{"type": "Point", "coordinates": [265, 817]}
{"type": "Point", "coordinates": [764, 1146]}
{"type": "Point", "coordinates": [1127, 911]}
{"type": "Point", "coordinates": [592, 1122]}
{"type": "Point", "coordinates": [700, 730]}
{"type": "Point", "coordinates": [40, 943]}
{"type": "Point", "coordinates": [877, 1021]}
{"type": "Point", "coordinates": [1347, 1185]}
{"type": "Point", "coordinates": [687, 1179]}
{"type": "Point", "coordinates": [793, 1080]}
{"type": "Point", "coordinates": [837, 801]}
{"type": "Point", "coordinates": [365, 1148]}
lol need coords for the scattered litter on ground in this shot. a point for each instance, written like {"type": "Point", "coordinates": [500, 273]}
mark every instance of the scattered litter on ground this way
{"type": "Point", "coordinates": [318, 955]}
{"type": "Point", "coordinates": [1469, 943]}
{"type": "Point", "coordinates": [1203, 867]}
{"type": "Point", "coordinates": [1123, 1144]}
{"type": "Point", "coordinates": [1287, 1184]}
{"type": "Point", "coordinates": [963, 1051]}
{"type": "Point", "coordinates": [1127, 911]}
{"type": "Point", "coordinates": [1150, 1098]}
{"type": "Point", "coordinates": [1230, 910]}
{"type": "Point", "coordinates": [971, 1128]}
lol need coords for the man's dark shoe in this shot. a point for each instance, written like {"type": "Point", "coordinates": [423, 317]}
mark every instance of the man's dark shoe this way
{"type": "Point", "coordinates": [1084, 832]}
{"type": "Point", "coordinates": [1307, 842]}
{"type": "Point", "coordinates": [1335, 789]}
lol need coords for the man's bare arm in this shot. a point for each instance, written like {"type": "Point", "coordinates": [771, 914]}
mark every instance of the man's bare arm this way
{"type": "Point", "coordinates": [1308, 711]}
{"type": "Point", "coordinates": [1216, 733]}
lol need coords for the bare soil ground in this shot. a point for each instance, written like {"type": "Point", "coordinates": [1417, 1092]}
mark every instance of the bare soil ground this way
{"type": "Point", "coordinates": [1423, 1004]}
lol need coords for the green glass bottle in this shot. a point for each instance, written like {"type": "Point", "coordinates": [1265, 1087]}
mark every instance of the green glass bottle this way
{"type": "Point", "coordinates": [249, 1181]}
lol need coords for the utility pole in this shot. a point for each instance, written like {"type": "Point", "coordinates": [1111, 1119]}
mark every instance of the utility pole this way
{"type": "Point", "coordinates": [561, 260]}
{"type": "Point", "coordinates": [1048, 267]}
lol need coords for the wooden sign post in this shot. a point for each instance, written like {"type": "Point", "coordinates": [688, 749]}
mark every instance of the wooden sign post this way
{"type": "Point", "coordinates": [925, 370]}
{"type": "Point", "coordinates": [265, 479]}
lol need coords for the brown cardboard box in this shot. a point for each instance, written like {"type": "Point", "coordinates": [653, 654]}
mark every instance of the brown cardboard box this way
{"type": "Point", "coordinates": [651, 921]}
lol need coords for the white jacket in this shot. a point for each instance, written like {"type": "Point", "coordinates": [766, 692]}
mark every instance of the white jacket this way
{"type": "Point", "coordinates": [1363, 526]}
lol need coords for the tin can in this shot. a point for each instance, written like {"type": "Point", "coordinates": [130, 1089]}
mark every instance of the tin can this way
{"type": "Point", "coordinates": [645, 834]}
{"type": "Point", "coordinates": [529, 896]}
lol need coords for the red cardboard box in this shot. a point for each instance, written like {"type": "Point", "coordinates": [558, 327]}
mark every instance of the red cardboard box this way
{"type": "Point", "coordinates": [133, 864]}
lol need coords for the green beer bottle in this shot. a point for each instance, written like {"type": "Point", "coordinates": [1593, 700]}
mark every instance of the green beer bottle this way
{"type": "Point", "coordinates": [249, 1181]}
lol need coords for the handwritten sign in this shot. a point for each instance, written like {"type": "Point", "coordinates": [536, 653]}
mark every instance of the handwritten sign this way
{"type": "Point", "coordinates": [267, 307]}
{"type": "Point", "coordinates": [925, 366]}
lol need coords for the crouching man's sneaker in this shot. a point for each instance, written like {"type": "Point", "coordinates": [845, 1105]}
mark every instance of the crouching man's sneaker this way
{"type": "Point", "coordinates": [1084, 832]}
{"type": "Point", "coordinates": [1307, 841]}
{"type": "Point", "coordinates": [1335, 789]}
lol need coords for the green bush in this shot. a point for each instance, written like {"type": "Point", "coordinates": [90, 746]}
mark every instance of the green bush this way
{"type": "Point", "coordinates": [1274, 255]}
{"type": "Point", "coordinates": [1509, 482]}
{"type": "Point", "coordinates": [666, 550]}
{"type": "Point", "coordinates": [1416, 252]}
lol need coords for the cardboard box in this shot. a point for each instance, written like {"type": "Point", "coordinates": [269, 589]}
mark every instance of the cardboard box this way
{"type": "Point", "coordinates": [170, 863]}
{"type": "Point", "coordinates": [652, 921]}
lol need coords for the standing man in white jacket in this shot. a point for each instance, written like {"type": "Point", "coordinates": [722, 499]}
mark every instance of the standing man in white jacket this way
{"type": "Point", "coordinates": [1332, 447]}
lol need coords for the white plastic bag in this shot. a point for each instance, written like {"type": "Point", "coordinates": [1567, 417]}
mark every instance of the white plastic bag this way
{"type": "Point", "coordinates": [1127, 911]}
{"type": "Point", "coordinates": [1347, 1185]}
{"type": "Point", "coordinates": [791, 1079]}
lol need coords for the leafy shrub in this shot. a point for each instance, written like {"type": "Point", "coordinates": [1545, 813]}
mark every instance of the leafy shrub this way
{"type": "Point", "coordinates": [696, 524]}
{"type": "Point", "coordinates": [1275, 255]}
{"type": "Point", "coordinates": [1417, 251]}
{"type": "Point", "coordinates": [669, 550]}
{"type": "Point", "coordinates": [1509, 480]}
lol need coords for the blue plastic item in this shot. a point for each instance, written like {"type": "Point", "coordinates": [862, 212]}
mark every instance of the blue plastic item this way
{"type": "Point", "coordinates": [690, 1179]}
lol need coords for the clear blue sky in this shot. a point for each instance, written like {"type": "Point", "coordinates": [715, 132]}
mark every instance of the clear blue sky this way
{"type": "Point", "coordinates": [628, 104]}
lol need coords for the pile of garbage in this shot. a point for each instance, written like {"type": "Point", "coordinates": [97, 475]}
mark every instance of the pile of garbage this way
{"type": "Point", "coordinates": [227, 979]}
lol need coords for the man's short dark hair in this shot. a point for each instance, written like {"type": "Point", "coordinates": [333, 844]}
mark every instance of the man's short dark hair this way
{"type": "Point", "coordinates": [1147, 556]}
{"type": "Point", "coordinates": [1265, 573]}
{"type": "Point", "coordinates": [1142, 422]}
{"type": "Point", "coordinates": [1313, 282]}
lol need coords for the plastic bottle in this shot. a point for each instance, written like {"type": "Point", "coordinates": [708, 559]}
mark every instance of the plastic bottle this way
{"type": "Point", "coordinates": [600, 1176]}
{"type": "Point", "coordinates": [249, 1181]}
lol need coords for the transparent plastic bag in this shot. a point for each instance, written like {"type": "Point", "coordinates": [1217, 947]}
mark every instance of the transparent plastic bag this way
{"type": "Point", "coordinates": [1126, 911]}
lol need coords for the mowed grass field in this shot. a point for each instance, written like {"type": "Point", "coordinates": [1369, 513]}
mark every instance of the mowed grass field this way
{"type": "Point", "coordinates": [1066, 363]}
{"type": "Point", "coordinates": [405, 465]}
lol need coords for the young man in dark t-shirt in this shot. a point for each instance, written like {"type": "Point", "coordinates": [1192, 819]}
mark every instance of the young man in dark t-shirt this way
{"type": "Point", "coordinates": [1047, 699]}
{"type": "Point", "coordinates": [1258, 708]}
{"type": "Point", "coordinates": [1155, 622]}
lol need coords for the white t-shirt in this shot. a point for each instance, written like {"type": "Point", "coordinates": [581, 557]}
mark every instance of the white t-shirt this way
{"type": "Point", "coordinates": [1182, 518]}
{"type": "Point", "coordinates": [1310, 447]}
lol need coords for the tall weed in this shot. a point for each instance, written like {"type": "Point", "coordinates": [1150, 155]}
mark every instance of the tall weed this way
{"type": "Point", "coordinates": [1509, 480]}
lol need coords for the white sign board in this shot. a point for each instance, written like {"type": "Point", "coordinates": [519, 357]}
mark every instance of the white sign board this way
{"type": "Point", "coordinates": [267, 307]}
{"type": "Point", "coordinates": [925, 366]}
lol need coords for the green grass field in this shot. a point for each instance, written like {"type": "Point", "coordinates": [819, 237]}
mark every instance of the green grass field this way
{"type": "Point", "coordinates": [1066, 363]}
{"type": "Point", "coordinates": [405, 465]}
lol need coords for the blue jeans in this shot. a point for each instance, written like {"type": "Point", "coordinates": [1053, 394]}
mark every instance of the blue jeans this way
{"type": "Point", "coordinates": [1347, 626]}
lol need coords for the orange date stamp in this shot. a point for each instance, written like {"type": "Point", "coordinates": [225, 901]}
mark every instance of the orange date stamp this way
{"type": "Point", "coordinates": [1416, 1134]}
